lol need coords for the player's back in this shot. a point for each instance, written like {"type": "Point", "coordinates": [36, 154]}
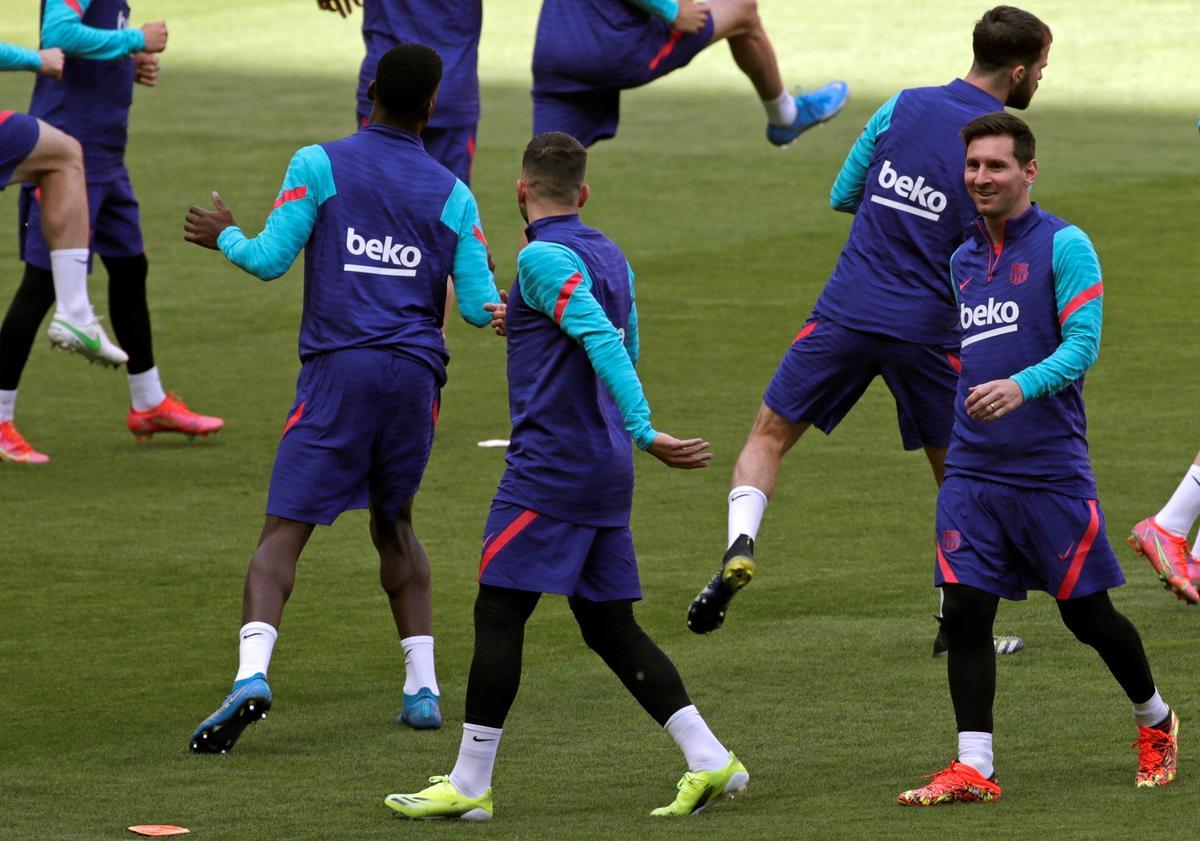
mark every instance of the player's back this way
{"type": "Point", "coordinates": [451, 28]}
{"type": "Point", "coordinates": [92, 99]}
{"type": "Point", "coordinates": [1010, 320]}
{"type": "Point", "coordinates": [914, 207]}
{"type": "Point", "coordinates": [570, 457]}
{"type": "Point", "coordinates": [381, 248]}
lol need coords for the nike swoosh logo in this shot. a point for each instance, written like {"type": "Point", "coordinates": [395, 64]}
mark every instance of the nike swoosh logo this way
{"type": "Point", "coordinates": [1064, 555]}
{"type": "Point", "coordinates": [91, 344]}
{"type": "Point", "coordinates": [80, 262]}
{"type": "Point", "coordinates": [255, 634]}
{"type": "Point", "coordinates": [963, 285]}
{"type": "Point", "coordinates": [476, 738]}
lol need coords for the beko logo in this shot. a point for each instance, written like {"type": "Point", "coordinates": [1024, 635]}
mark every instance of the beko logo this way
{"type": "Point", "coordinates": [1004, 313]}
{"type": "Point", "coordinates": [929, 203]}
{"type": "Point", "coordinates": [405, 257]}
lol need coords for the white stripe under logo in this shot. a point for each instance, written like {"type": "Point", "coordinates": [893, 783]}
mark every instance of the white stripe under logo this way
{"type": "Point", "coordinates": [988, 334]}
{"type": "Point", "coordinates": [907, 208]}
{"type": "Point", "coordinates": [351, 267]}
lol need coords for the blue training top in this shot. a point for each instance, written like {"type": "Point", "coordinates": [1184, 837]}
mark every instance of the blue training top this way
{"type": "Point", "coordinates": [451, 28]}
{"type": "Point", "coordinates": [382, 224]}
{"type": "Point", "coordinates": [13, 57]}
{"type": "Point", "coordinates": [1032, 313]}
{"type": "Point", "coordinates": [903, 181]}
{"type": "Point", "coordinates": [91, 102]}
{"type": "Point", "coordinates": [573, 393]}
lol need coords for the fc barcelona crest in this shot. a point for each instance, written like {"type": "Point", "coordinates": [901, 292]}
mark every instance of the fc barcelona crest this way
{"type": "Point", "coordinates": [1019, 273]}
{"type": "Point", "coordinates": [951, 540]}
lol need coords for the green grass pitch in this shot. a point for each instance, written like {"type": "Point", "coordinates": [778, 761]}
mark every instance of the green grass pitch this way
{"type": "Point", "coordinates": [122, 565]}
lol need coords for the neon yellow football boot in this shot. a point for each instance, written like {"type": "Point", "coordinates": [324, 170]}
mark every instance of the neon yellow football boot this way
{"type": "Point", "coordinates": [441, 800]}
{"type": "Point", "coordinates": [700, 789]}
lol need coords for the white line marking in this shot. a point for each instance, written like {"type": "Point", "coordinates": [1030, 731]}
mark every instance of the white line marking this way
{"type": "Point", "coordinates": [351, 267]}
{"type": "Point", "coordinates": [988, 334]}
{"type": "Point", "coordinates": [907, 208]}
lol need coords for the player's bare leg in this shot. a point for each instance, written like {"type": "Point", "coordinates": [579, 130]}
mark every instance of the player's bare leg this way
{"type": "Point", "coordinates": [754, 477]}
{"type": "Point", "coordinates": [56, 166]}
{"type": "Point", "coordinates": [737, 21]}
{"type": "Point", "coordinates": [268, 584]}
{"type": "Point", "coordinates": [405, 576]}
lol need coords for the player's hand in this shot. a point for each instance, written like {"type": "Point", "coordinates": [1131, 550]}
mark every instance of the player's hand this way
{"type": "Point", "coordinates": [691, 18]}
{"type": "Point", "coordinates": [342, 7]}
{"type": "Point", "coordinates": [498, 311]}
{"type": "Point", "coordinates": [685, 455]}
{"type": "Point", "coordinates": [52, 63]}
{"type": "Point", "coordinates": [993, 400]}
{"type": "Point", "coordinates": [156, 36]}
{"type": "Point", "coordinates": [145, 69]}
{"type": "Point", "coordinates": [204, 226]}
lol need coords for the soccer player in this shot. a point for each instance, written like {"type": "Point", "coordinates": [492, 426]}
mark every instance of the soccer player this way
{"type": "Point", "coordinates": [382, 224]}
{"type": "Point", "coordinates": [1018, 509]}
{"type": "Point", "coordinates": [32, 151]}
{"type": "Point", "coordinates": [1162, 539]}
{"type": "Point", "coordinates": [885, 310]}
{"type": "Point", "coordinates": [451, 27]}
{"type": "Point", "coordinates": [91, 104]}
{"type": "Point", "coordinates": [588, 51]}
{"type": "Point", "coordinates": [560, 519]}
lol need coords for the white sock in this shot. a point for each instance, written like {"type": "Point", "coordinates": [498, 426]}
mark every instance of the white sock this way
{"type": "Point", "coordinates": [145, 390]}
{"type": "Point", "coordinates": [746, 506]}
{"type": "Point", "coordinates": [8, 405]}
{"type": "Point", "coordinates": [1151, 712]}
{"type": "Point", "coordinates": [472, 774]}
{"type": "Point", "coordinates": [418, 665]}
{"type": "Point", "coordinates": [781, 111]}
{"type": "Point", "coordinates": [1183, 507]}
{"type": "Point", "coordinates": [254, 650]}
{"type": "Point", "coordinates": [700, 747]}
{"type": "Point", "coordinates": [975, 749]}
{"type": "Point", "coordinates": [70, 269]}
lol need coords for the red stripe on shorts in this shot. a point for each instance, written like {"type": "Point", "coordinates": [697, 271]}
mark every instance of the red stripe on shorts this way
{"type": "Point", "coordinates": [947, 574]}
{"type": "Point", "coordinates": [293, 420]}
{"type": "Point", "coordinates": [666, 49]}
{"type": "Point", "coordinates": [955, 362]}
{"type": "Point", "coordinates": [1081, 553]}
{"type": "Point", "coordinates": [510, 531]}
{"type": "Point", "coordinates": [4, 115]}
{"type": "Point", "coordinates": [805, 331]}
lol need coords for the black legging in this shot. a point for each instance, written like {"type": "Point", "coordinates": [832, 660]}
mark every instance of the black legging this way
{"type": "Point", "coordinates": [967, 617]}
{"type": "Point", "coordinates": [35, 296]}
{"type": "Point", "coordinates": [608, 628]}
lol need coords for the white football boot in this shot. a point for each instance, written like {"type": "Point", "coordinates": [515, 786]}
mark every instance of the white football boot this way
{"type": "Point", "coordinates": [90, 340]}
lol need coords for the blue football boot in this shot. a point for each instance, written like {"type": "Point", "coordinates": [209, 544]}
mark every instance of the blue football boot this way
{"type": "Point", "coordinates": [421, 711]}
{"type": "Point", "coordinates": [247, 702]}
{"type": "Point", "coordinates": [813, 108]}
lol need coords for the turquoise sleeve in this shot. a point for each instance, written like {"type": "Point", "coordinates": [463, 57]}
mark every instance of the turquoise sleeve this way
{"type": "Point", "coordinates": [1079, 296]}
{"type": "Point", "coordinates": [307, 185]}
{"type": "Point", "coordinates": [633, 343]}
{"type": "Point", "coordinates": [664, 10]}
{"type": "Point", "coordinates": [848, 188]}
{"type": "Point", "coordinates": [13, 57]}
{"type": "Point", "coordinates": [953, 282]}
{"type": "Point", "coordinates": [555, 282]}
{"type": "Point", "coordinates": [474, 284]}
{"type": "Point", "coordinates": [62, 27]}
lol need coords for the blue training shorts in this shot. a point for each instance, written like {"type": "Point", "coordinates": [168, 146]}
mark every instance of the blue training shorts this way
{"type": "Point", "coordinates": [18, 135]}
{"type": "Point", "coordinates": [359, 433]}
{"type": "Point", "coordinates": [525, 550]}
{"type": "Point", "coordinates": [1006, 540]}
{"type": "Point", "coordinates": [577, 84]}
{"type": "Point", "coordinates": [113, 219]}
{"type": "Point", "coordinates": [828, 367]}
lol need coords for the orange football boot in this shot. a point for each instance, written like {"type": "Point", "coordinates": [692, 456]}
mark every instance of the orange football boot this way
{"type": "Point", "coordinates": [957, 784]}
{"type": "Point", "coordinates": [171, 415]}
{"type": "Point", "coordinates": [1158, 755]}
{"type": "Point", "coordinates": [16, 449]}
{"type": "Point", "coordinates": [1168, 554]}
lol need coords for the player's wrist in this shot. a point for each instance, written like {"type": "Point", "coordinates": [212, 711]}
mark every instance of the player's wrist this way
{"type": "Point", "coordinates": [646, 438]}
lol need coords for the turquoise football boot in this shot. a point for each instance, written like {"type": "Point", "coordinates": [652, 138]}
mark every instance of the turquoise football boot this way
{"type": "Point", "coordinates": [248, 702]}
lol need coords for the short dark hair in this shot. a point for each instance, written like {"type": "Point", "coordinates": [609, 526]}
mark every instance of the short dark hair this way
{"type": "Point", "coordinates": [554, 165]}
{"type": "Point", "coordinates": [1006, 36]}
{"type": "Point", "coordinates": [1003, 124]}
{"type": "Point", "coordinates": [407, 77]}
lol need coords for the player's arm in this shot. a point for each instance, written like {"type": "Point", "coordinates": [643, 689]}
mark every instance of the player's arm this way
{"type": "Point", "coordinates": [13, 57]}
{"type": "Point", "coordinates": [474, 283]}
{"type": "Point", "coordinates": [1079, 296]}
{"type": "Point", "coordinates": [851, 181]}
{"type": "Point", "coordinates": [63, 27]}
{"type": "Point", "coordinates": [633, 344]}
{"type": "Point", "coordinates": [556, 283]}
{"type": "Point", "coordinates": [307, 184]}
